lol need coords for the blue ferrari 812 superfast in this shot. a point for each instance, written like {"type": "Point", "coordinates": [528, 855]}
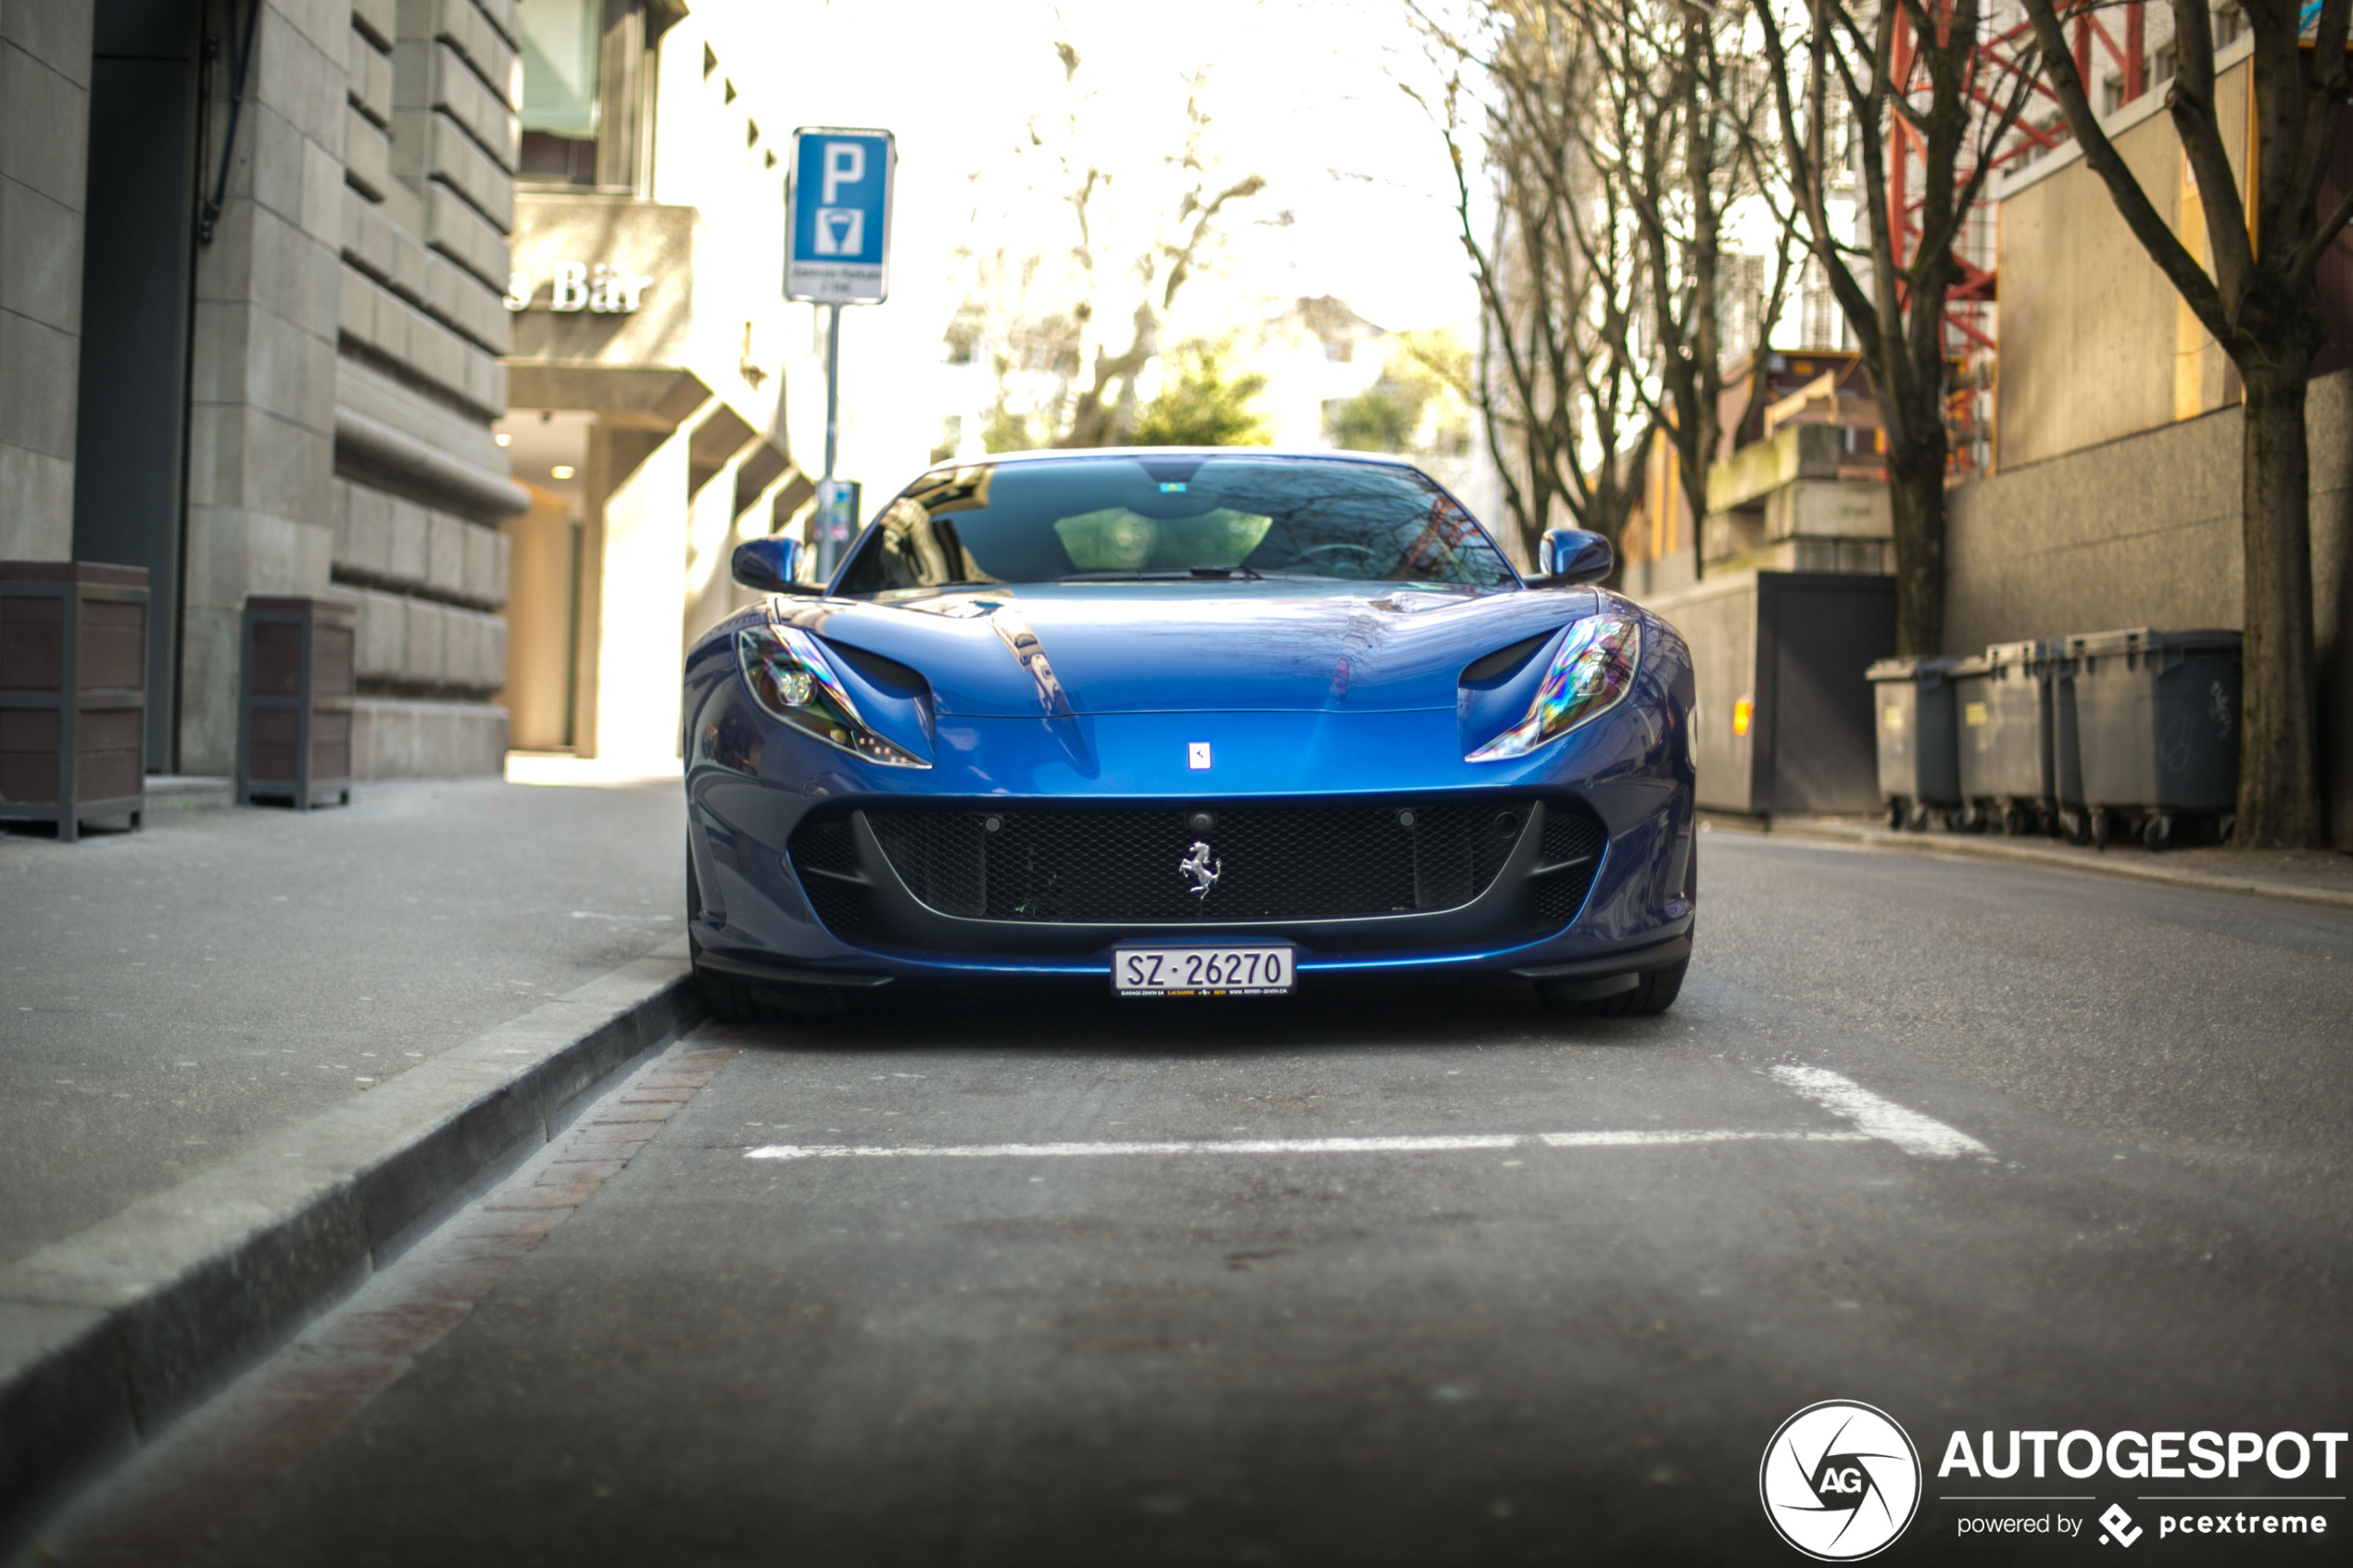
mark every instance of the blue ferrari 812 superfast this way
{"type": "Point", "coordinates": [1202, 722]}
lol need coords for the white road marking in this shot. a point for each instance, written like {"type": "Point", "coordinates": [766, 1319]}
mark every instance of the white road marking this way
{"type": "Point", "coordinates": [1066, 1150]}
{"type": "Point", "coordinates": [1286, 1145]}
{"type": "Point", "coordinates": [1726, 1135]}
{"type": "Point", "coordinates": [1875, 1117]}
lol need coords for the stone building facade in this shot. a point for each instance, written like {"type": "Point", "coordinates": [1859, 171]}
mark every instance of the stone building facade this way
{"type": "Point", "coordinates": [251, 259]}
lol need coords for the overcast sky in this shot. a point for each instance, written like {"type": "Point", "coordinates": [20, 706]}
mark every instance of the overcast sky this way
{"type": "Point", "coordinates": [1306, 94]}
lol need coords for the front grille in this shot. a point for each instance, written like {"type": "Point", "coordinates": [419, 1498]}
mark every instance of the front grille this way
{"type": "Point", "coordinates": [1575, 839]}
{"type": "Point", "coordinates": [1295, 863]}
{"type": "Point", "coordinates": [1084, 867]}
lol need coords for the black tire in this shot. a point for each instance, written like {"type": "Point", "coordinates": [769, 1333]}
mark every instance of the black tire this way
{"type": "Point", "coordinates": [1655, 992]}
{"type": "Point", "coordinates": [2156, 835]}
{"type": "Point", "coordinates": [729, 1001]}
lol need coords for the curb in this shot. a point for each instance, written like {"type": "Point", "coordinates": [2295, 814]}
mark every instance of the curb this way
{"type": "Point", "coordinates": [107, 1334]}
{"type": "Point", "coordinates": [1966, 847]}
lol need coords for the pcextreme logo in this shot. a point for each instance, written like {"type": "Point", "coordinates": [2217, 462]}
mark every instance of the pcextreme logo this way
{"type": "Point", "coordinates": [1840, 1480]}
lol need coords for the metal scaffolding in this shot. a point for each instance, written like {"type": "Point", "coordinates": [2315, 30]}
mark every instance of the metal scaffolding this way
{"type": "Point", "coordinates": [1971, 309]}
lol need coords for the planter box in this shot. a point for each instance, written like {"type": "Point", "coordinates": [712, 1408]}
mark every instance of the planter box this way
{"type": "Point", "coordinates": [73, 693]}
{"type": "Point", "coordinates": [293, 712]}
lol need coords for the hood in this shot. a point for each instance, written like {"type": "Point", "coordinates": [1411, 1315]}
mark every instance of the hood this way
{"type": "Point", "coordinates": [1192, 647]}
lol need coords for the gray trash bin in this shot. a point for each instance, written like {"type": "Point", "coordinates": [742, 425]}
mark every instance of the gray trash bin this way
{"type": "Point", "coordinates": [2157, 730]}
{"type": "Point", "coordinates": [1919, 771]}
{"type": "Point", "coordinates": [2008, 735]}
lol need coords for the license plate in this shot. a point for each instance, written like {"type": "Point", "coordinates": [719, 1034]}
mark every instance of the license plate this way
{"type": "Point", "coordinates": [1243, 968]}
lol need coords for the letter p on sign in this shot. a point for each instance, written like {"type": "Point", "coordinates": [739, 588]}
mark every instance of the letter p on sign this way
{"type": "Point", "coordinates": [845, 165]}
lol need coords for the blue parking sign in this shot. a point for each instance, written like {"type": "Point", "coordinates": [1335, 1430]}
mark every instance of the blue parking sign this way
{"type": "Point", "coordinates": [838, 250]}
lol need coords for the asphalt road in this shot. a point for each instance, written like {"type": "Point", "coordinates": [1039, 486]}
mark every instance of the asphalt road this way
{"type": "Point", "coordinates": [1990, 1149]}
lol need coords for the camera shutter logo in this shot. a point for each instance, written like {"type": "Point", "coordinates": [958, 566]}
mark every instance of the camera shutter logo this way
{"type": "Point", "coordinates": [1840, 1481]}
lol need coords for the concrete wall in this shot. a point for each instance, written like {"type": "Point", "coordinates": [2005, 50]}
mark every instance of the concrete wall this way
{"type": "Point", "coordinates": [2092, 332]}
{"type": "Point", "coordinates": [2144, 531]}
{"type": "Point", "coordinates": [44, 117]}
{"type": "Point", "coordinates": [261, 428]}
{"type": "Point", "coordinates": [426, 201]}
{"type": "Point", "coordinates": [638, 546]}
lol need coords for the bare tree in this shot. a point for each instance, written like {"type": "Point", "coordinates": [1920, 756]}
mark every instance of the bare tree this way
{"type": "Point", "coordinates": [2260, 301]}
{"type": "Point", "coordinates": [1558, 273]}
{"type": "Point", "coordinates": [1671, 121]}
{"type": "Point", "coordinates": [1862, 60]}
{"type": "Point", "coordinates": [1085, 319]}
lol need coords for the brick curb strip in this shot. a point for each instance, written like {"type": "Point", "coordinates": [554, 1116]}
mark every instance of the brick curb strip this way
{"type": "Point", "coordinates": [209, 1472]}
{"type": "Point", "coordinates": [107, 1334]}
{"type": "Point", "coordinates": [1967, 848]}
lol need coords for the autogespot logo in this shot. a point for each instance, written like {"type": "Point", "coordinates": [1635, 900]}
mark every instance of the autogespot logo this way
{"type": "Point", "coordinates": [1840, 1480]}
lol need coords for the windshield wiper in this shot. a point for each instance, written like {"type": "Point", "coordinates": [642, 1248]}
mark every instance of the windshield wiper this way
{"type": "Point", "coordinates": [1170, 574]}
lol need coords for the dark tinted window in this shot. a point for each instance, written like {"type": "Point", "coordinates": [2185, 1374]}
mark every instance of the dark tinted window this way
{"type": "Point", "coordinates": [1109, 518]}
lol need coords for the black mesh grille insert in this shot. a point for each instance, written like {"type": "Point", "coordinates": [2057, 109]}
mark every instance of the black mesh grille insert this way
{"type": "Point", "coordinates": [1273, 862]}
{"type": "Point", "coordinates": [825, 846]}
{"type": "Point", "coordinates": [1570, 834]}
{"type": "Point", "coordinates": [846, 908]}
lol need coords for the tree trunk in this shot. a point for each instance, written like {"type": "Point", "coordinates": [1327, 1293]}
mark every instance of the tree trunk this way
{"type": "Point", "coordinates": [1916, 493]}
{"type": "Point", "coordinates": [2279, 758]}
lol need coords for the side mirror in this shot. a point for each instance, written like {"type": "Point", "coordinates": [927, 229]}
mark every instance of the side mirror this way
{"type": "Point", "coordinates": [771, 566]}
{"type": "Point", "coordinates": [1570, 555]}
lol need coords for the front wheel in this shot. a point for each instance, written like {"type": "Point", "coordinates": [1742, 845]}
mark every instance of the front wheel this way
{"type": "Point", "coordinates": [1652, 993]}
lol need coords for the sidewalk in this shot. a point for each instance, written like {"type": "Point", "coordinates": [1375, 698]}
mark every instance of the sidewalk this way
{"type": "Point", "coordinates": [247, 1055]}
{"type": "Point", "coordinates": [2309, 876]}
{"type": "Point", "coordinates": [169, 997]}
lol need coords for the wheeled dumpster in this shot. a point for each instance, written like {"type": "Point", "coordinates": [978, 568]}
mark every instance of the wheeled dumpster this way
{"type": "Point", "coordinates": [1919, 766]}
{"type": "Point", "coordinates": [2007, 699]}
{"type": "Point", "coordinates": [2156, 729]}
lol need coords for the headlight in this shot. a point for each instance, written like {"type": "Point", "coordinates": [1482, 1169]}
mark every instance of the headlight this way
{"type": "Point", "coordinates": [1590, 675]}
{"type": "Point", "coordinates": [790, 678]}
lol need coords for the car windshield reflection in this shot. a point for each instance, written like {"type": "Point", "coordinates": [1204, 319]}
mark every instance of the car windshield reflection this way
{"type": "Point", "coordinates": [1174, 519]}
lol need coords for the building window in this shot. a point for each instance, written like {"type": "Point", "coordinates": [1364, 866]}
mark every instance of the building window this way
{"type": "Point", "coordinates": [562, 50]}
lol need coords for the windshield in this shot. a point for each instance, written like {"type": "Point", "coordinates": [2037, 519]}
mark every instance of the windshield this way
{"type": "Point", "coordinates": [1148, 518]}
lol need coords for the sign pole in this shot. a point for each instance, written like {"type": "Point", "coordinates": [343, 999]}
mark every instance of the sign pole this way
{"type": "Point", "coordinates": [837, 253]}
{"type": "Point", "coordinates": [833, 384]}
{"type": "Point", "coordinates": [833, 525]}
